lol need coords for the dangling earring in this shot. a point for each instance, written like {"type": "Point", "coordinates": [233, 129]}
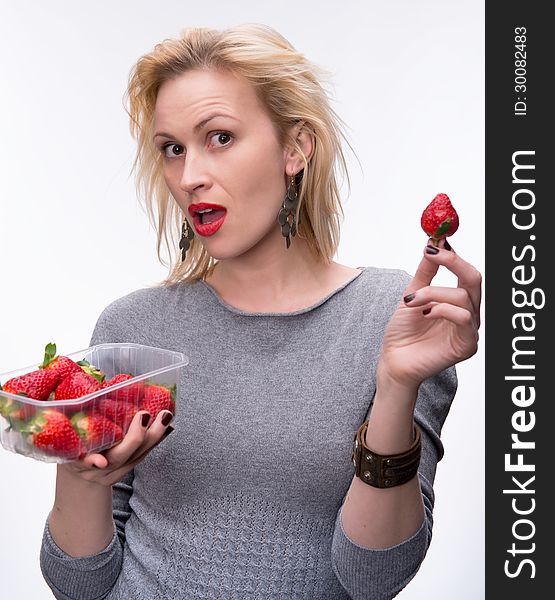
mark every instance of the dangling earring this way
{"type": "Point", "coordinates": [289, 208]}
{"type": "Point", "coordinates": [187, 234]}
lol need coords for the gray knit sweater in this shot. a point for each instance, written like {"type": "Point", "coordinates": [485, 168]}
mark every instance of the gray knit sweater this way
{"type": "Point", "coordinates": [243, 501]}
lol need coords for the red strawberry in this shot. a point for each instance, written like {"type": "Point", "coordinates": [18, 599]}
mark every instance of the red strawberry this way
{"type": "Point", "coordinates": [65, 366]}
{"type": "Point", "coordinates": [157, 398]}
{"type": "Point", "coordinates": [60, 364]}
{"type": "Point", "coordinates": [132, 393]}
{"type": "Point", "coordinates": [96, 431]}
{"type": "Point", "coordinates": [36, 384]}
{"type": "Point", "coordinates": [15, 411]}
{"type": "Point", "coordinates": [439, 219]}
{"type": "Point", "coordinates": [76, 385]}
{"type": "Point", "coordinates": [121, 413]}
{"type": "Point", "coordinates": [52, 432]}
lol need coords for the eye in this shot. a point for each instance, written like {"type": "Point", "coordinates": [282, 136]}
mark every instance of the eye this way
{"type": "Point", "coordinates": [223, 138]}
{"type": "Point", "coordinates": [171, 150]}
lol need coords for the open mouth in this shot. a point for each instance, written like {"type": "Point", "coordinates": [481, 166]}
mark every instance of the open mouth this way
{"type": "Point", "coordinates": [209, 215]}
{"type": "Point", "coordinates": [207, 220]}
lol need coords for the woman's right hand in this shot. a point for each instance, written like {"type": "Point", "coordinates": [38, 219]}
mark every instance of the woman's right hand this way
{"type": "Point", "coordinates": [111, 465]}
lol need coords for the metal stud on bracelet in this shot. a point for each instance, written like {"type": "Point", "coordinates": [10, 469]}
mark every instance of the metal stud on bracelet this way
{"type": "Point", "coordinates": [385, 470]}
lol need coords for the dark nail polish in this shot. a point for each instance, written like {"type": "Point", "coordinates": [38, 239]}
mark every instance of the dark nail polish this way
{"type": "Point", "coordinates": [426, 311]}
{"type": "Point", "coordinates": [432, 250]}
{"type": "Point", "coordinates": [167, 418]}
{"type": "Point", "coordinates": [447, 245]}
{"type": "Point", "coordinates": [409, 297]}
{"type": "Point", "coordinates": [145, 419]}
{"type": "Point", "coordinates": [169, 430]}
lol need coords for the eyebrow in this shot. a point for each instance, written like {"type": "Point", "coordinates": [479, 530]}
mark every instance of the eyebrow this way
{"type": "Point", "coordinates": [198, 126]}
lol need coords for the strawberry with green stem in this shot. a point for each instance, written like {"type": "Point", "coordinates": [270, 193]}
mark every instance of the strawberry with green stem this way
{"type": "Point", "coordinates": [157, 398]}
{"type": "Point", "coordinates": [66, 366]}
{"type": "Point", "coordinates": [96, 431]}
{"type": "Point", "coordinates": [60, 364]}
{"type": "Point", "coordinates": [76, 385]}
{"type": "Point", "coordinates": [38, 385]}
{"type": "Point", "coordinates": [52, 432]}
{"type": "Point", "coordinates": [439, 219]}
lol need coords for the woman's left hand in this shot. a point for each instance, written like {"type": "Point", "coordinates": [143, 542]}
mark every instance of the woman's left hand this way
{"type": "Point", "coordinates": [418, 345]}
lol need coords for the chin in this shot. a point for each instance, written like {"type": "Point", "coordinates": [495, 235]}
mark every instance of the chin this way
{"type": "Point", "coordinates": [222, 248]}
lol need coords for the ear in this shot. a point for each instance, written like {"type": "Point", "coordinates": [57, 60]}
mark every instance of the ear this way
{"type": "Point", "coordinates": [294, 162]}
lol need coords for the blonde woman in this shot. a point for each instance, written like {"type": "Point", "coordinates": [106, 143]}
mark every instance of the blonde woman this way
{"type": "Point", "coordinates": [254, 495]}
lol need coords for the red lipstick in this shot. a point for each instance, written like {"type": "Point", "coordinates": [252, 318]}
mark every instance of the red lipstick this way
{"type": "Point", "coordinates": [207, 217]}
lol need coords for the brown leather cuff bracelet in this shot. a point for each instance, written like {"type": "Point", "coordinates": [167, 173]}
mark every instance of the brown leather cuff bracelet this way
{"type": "Point", "coordinates": [385, 470]}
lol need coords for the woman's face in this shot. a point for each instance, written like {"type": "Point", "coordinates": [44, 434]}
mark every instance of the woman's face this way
{"type": "Point", "coordinates": [220, 147]}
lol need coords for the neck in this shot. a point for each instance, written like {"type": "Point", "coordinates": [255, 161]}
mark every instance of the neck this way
{"type": "Point", "coordinates": [269, 272]}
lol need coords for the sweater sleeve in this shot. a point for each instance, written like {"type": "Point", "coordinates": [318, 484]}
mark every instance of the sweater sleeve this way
{"type": "Point", "coordinates": [380, 574]}
{"type": "Point", "coordinates": [90, 577]}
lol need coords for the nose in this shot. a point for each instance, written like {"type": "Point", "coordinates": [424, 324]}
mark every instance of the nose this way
{"type": "Point", "coordinates": [194, 175]}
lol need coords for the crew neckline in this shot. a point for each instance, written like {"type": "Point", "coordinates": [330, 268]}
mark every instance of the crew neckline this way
{"type": "Point", "coordinates": [247, 313]}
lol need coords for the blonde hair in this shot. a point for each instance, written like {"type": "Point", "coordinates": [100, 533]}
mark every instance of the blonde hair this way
{"type": "Point", "coordinates": [288, 86]}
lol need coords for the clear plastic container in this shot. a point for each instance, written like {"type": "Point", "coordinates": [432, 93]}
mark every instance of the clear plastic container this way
{"type": "Point", "coordinates": [39, 428]}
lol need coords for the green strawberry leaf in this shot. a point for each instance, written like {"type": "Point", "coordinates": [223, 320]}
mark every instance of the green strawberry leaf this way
{"type": "Point", "coordinates": [92, 370]}
{"type": "Point", "coordinates": [98, 376]}
{"type": "Point", "coordinates": [443, 228]}
{"type": "Point", "coordinates": [18, 425]}
{"type": "Point", "coordinates": [49, 355]}
{"type": "Point", "coordinates": [35, 425]}
{"type": "Point", "coordinates": [76, 422]}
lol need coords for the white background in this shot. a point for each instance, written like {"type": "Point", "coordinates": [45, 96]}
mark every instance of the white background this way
{"type": "Point", "coordinates": [408, 79]}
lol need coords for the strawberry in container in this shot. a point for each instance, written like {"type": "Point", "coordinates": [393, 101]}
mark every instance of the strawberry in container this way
{"type": "Point", "coordinates": [158, 398]}
{"type": "Point", "coordinates": [70, 406]}
{"type": "Point", "coordinates": [37, 385]}
{"type": "Point", "coordinates": [96, 431]}
{"type": "Point", "coordinates": [132, 394]}
{"type": "Point", "coordinates": [62, 365]}
{"type": "Point", "coordinates": [120, 404]}
{"type": "Point", "coordinates": [56, 377]}
{"type": "Point", "coordinates": [52, 433]}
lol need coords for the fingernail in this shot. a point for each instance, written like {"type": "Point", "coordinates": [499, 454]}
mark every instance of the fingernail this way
{"type": "Point", "coordinates": [169, 430]}
{"type": "Point", "coordinates": [447, 245]}
{"type": "Point", "coordinates": [167, 418]}
{"type": "Point", "coordinates": [409, 297]}
{"type": "Point", "coordinates": [426, 311]}
{"type": "Point", "coordinates": [145, 419]}
{"type": "Point", "coordinates": [431, 250]}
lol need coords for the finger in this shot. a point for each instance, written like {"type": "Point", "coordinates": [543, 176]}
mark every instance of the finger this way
{"type": "Point", "coordinates": [455, 314]}
{"type": "Point", "coordinates": [137, 459]}
{"type": "Point", "coordinates": [455, 296]}
{"type": "Point", "coordinates": [154, 436]}
{"type": "Point", "coordinates": [133, 439]}
{"type": "Point", "coordinates": [468, 277]}
{"type": "Point", "coordinates": [96, 460]}
{"type": "Point", "coordinates": [425, 272]}
{"type": "Point", "coordinates": [118, 474]}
